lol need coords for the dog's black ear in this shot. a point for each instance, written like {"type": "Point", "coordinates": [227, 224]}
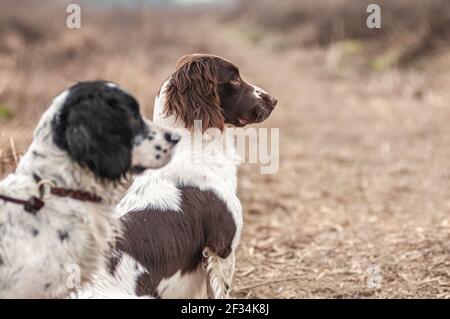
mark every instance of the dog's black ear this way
{"type": "Point", "coordinates": [96, 126]}
{"type": "Point", "coordinates": [90, 143]}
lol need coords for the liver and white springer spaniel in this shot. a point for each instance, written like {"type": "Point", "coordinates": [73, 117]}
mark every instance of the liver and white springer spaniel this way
{"type": "Point", "coordinates": [56, 209]}
{"type": "Point", "coordinates": [183, 223]}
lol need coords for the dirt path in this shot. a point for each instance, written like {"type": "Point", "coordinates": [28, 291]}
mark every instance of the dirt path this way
{"type": "Point", "coordinates": [360, 205]}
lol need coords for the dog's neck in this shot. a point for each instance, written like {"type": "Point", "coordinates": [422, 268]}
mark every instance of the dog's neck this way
{"type": "Point", "coordinates": [46, 161]}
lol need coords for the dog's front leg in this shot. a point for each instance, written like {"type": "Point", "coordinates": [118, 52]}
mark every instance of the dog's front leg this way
{"type": "Point", "coordinates": [219, 273]}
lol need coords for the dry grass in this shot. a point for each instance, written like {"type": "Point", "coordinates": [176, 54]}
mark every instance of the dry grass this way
{"type": "Point", "coordinates": [415, 28]}
{"type": "Point", "coordinates": [364, 155]}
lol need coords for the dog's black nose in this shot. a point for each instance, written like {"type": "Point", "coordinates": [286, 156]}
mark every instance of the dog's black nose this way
{"type": "Point", "coordinates": [172, 138]}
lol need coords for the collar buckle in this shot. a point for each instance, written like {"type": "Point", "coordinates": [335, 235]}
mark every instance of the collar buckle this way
{"type": "Point", "coordinates": [43, 193]}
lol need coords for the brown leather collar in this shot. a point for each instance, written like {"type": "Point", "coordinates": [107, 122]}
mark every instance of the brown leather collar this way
{"type": "Point", "coordinates": [34, 204]}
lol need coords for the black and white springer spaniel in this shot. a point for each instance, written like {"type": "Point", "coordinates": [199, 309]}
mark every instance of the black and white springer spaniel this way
{"type": "Point", "coordinates": [182, 223]}
{"type": "Point", "coordinates": [56, 209]}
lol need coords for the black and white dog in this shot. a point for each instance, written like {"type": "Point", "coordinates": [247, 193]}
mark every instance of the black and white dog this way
{"type": "Point", "coordinates": [56, 210]}
{"type": "Point", "coordinates": [182, 224]}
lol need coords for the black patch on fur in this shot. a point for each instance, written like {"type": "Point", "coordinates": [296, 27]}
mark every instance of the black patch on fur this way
{"type": "Point", "coordinates": [47, 285]}
{"type": "Point", "coordinates": [63, 235]}
{"type": "Point", "coordinates": [1, 261]}
{"type": "Point", "coordinates": [36, 178]}
{"type": "Point", "coordinates": [97, 126]}
{"type": "Point", "coordinates": [36, 154]}
{"type": "Point", "coordinates": [35, 232]}
{"type": "Point", "coordinates": [165, 242]}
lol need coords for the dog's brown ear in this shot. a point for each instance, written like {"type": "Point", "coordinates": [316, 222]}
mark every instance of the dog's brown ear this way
{"type": "Point", "coordinates": [192, 94]}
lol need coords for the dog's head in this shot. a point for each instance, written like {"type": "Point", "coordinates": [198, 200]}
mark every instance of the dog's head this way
{"type": "Point", "coordinates": [99, 125]}
{"type": "Point", "coordinates": [211, 89]}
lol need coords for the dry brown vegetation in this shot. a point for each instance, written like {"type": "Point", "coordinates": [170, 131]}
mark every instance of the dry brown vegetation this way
{"type": "Point", "coordinates": [414, 27]}
{"type": "Point", "coordinates": [364, 176]}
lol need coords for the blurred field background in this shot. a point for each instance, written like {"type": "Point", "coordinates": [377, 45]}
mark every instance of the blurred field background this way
{"type": "Point", "coordinates": [363, 115]}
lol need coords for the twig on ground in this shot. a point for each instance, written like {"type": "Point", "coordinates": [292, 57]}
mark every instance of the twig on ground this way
{"type": "Point", "coordinates": [267, 283]}
{"type": "Point", "coordinates": [14, 151]}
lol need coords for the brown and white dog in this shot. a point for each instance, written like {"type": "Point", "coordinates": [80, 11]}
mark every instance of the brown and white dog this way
{"type": "Point", "coordinates": [182, 224]}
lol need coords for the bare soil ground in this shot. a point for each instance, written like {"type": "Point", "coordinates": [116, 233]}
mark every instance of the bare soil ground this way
{"type": "Point", "coordinates": [360, 206]}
